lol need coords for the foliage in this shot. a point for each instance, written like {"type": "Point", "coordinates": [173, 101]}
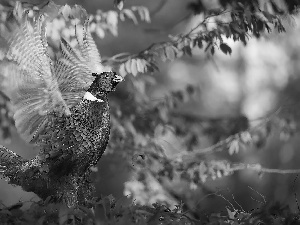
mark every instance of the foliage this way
{"type": "Point", "coordinates": [237, 20]}
{"type": "Point", "coordinates": [138, 124]}
{"type": "Point", "coordinates": [116, 214]}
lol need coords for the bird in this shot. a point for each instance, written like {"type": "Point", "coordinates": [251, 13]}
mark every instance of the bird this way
{"type": "Point", "coordinates": [59, 105]}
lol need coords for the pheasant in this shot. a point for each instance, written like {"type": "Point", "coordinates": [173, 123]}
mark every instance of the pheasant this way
{"type": "Point", "coordinates": [61, 106]}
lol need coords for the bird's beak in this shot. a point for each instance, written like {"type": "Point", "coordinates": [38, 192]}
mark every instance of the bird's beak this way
{"type": "Point", "coordinates": [118, 78]}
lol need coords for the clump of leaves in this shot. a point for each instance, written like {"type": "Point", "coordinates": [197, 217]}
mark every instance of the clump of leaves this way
{"type": "Point", "coordinates": [116, 214]}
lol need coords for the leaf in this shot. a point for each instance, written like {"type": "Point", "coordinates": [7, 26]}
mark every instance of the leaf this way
{"type": "Point", "coordinates": [291, 21]}
{"type": "Point", "coordinates": [66, 11]}
{"type": "Point", "coordinates": [248, 16]}
{"type": "Point", "coordinates": [119, 4]}
{"type": "Point", "coordinates": [163, 56]}
{"type": "Point", "coordinates": [208, 46]}
{"type": "Point", "coordinates": [243, 39]}
{"type": "Point", "coordinates": [93, 27]}
{"type": "Point", "coordinates": [122, 17]}
{"type": "Point", "coordinates": [152, 67]}
{"type": "Point", "coordinates": [129, 14]}
{"type": "Point", "coordinates": [134, 69]}
{"type": "Point", "coordinates": [187, 50]}
{"type": "Point", "coordinates": [212, 50]}
{"type": "Point", "coordinates": [260, 26]}
{"type": "Point", "coordinates": [234, 147]}
{"type": "Point", "coordinates": [147, 15]}
{"type": "Point", "coordinates": [268, 15]}
{"type": "Point", "coordinates": [50, 10]}
{"type": "Point", "coordinates": [128, 66]}
{"type": "Point", "coordinates": [143, 13]}
{"type": "Point", "coordinates": [180, 45]}
{"type": "Point", "coordinates": [140, 12]}
{"type": "Point", "coordinates": [112, 18]}
{"type": "Point", "coordinates": [79, 13]}
{"type": "Point", "coordinates": [122, 70]}
{"type": "Point", "coordinates": [170, 53]}
{"type": "Point", "coordinates": [18, 10]}
{"type": "Point", "coordinates": [141, 65]}
{"type": "Point", "coordinates": [199, 42]}
{"type": "Point", "coordinates": [246, 137]}
{"type": "Point", "coordinates": [261, 16]}
{"type": "Point", "coordinates": [219, 174]}
{"type": "Point", "coordinates": [235, 27]}
{"type": "Point", "coordinates": [231, 214]}
{"type": "Point", "coordinates": [241, 5]}
{"type": "Point", "coordinates": [100, 32]}
{"type": "Point", "coordinates": [225, 49]}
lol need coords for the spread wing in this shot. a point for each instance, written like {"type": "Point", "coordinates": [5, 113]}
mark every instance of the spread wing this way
{"type": "Point", "coordinates": [75, 66]}
{"type": "Point", "coordinates": [36, 86]}
{"type": "Point", "coordinates": [28, 78]}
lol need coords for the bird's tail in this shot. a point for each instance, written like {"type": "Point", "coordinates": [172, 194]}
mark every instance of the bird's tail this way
{"type": "Point", "coordinates": [8, 160]}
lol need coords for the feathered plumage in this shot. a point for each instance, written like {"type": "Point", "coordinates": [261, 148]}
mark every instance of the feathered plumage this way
{"type": "Point", "coordinates": [52, 109]}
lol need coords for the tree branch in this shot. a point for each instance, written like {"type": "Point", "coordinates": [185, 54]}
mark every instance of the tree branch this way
{"type": "Point", "coordinates": [258, 168]}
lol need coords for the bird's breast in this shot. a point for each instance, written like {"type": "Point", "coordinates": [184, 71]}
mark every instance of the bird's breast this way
{"type": "Point", "coordinates": [80, 139]}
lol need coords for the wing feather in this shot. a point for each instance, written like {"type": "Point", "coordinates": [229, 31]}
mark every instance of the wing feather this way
{"type": "Point", "coordinates": [35, 85]}
{"type": "Point", "coordinates": [31, 86]}
{"type": "Point", "coordinates": [75, 66]}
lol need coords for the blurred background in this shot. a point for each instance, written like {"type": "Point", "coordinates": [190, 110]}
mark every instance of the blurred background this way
{"type": "Point", "coordinates": [253, 81]}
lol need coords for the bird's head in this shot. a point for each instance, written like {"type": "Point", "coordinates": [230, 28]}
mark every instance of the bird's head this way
{"type": "Point", "coordinates": [106, 81]}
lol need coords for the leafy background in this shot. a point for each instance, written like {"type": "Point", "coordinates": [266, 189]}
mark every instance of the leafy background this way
{"type": "Point", "coordinates": [216, 96]}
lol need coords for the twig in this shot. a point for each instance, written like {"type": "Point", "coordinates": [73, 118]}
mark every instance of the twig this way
{"type": "Point", "coordinates": [260, 169]}
{"type": "Point", "coordinates": [237, 203]}
{"type": "Point", "coordinates": [115, 57]}
{"type": "Point", "coordinates": [219, 195]}
{"type": "Point", "coordinates": [263, 197]}
{"type": "Point", "coordinates": [207, 150]}
{"type": "Point", "coordinates": [256, 200]}
{"type": "Point", "coordinates": [205, 21]}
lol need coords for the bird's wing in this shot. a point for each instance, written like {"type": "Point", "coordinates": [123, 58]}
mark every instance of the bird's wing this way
{"type": "Point", "coordinates": [73, 75]}
{"type": "Point", "coordinates": [75, 66]}
{"type": "Point", "coordinates": [31, 85]}
{"type": "Point", "coordinates": [89, 49]}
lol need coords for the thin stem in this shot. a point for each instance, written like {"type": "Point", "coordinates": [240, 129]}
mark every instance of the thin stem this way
{"type": "Point", "coordinates": [260, 169]}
